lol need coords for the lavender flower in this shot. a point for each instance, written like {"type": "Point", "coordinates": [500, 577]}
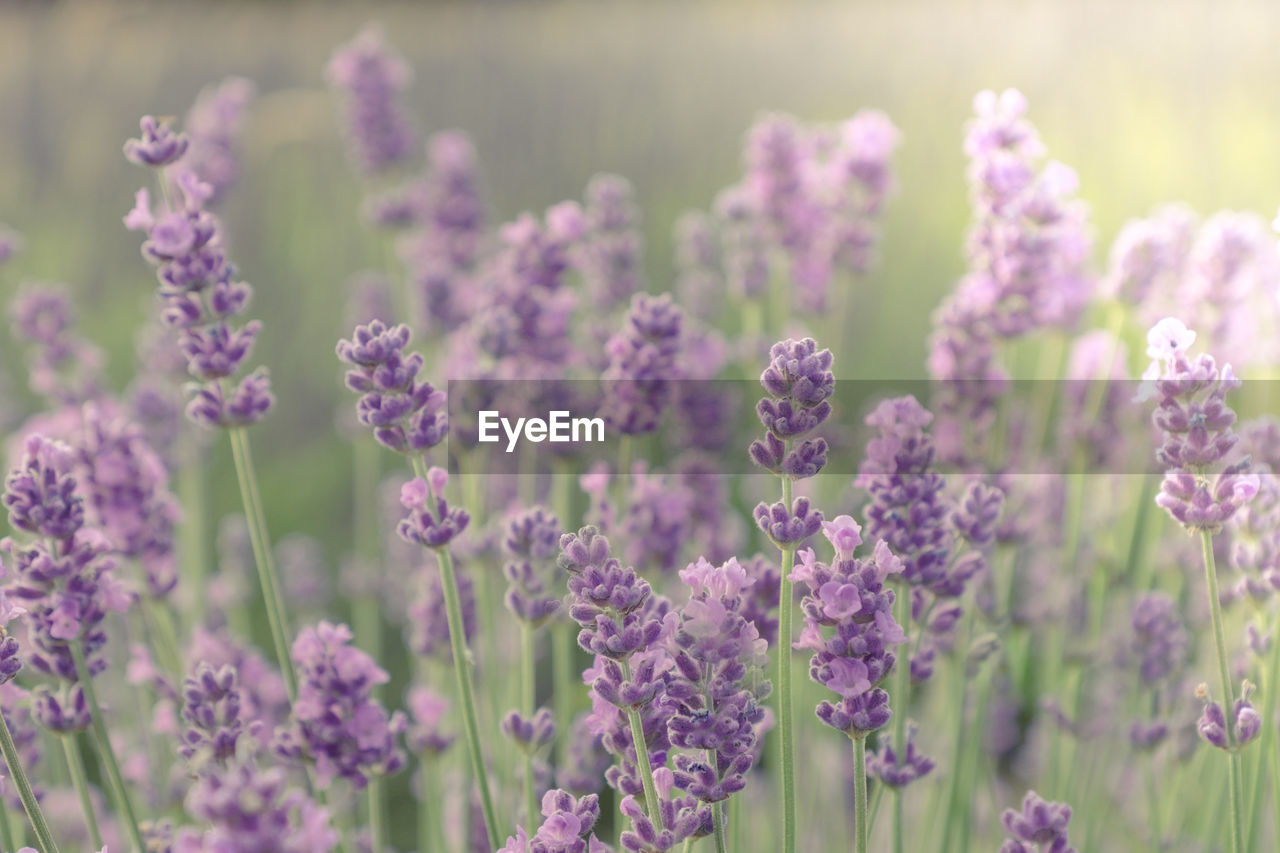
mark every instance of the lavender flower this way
{"type": "Point", "coordinates": [1040, 825]}
{"type": "Point", "coordinates": [799, 383]}
{"type": "Point", "coordinates": [336, 722]}
{"type": "Point", "coordinates": [849, 597]}
{"type": "Point", "coordinates": [64, 368]}
{"type": "Point", "coordinates": [566, 827]}
{"type": "Point", "coordinates": [609, 256]}
{"type": "Point", "coordinates": [642, 364]}
{"type": "Point", "coordinates": [371, 77]}
{"type": "Point", "coordinates": [200, 294]}
{"type": "Point", "coordinates": [899, 771]}
{"type": "Point", "coordinates": [1245, 721]}
{"type": "Point", "coordinates": [1202, 488]}
{"type": "Point", "coordinates": [532, 539]}
{"type": "Point", "coordinates": [10, 243]}
{"type": "Point", "coordinates": [429, 520]}
{"type": "Point", "coordinates": [211, 709]}
{"type": "Point", "coordinates": [939, 540]}
{"type": "Point", "coordinates": [406, 414]}
{"type": "Point", "coordinates": [213, 126]}
{"type": "Point", "coordinates": [159, 145]}
{"type": "Point", "coordinates": [253, 809]}
{"type": "Point", "coordinates": [717, 684]}
{"type": "Point", "coordinates": [64, 577]}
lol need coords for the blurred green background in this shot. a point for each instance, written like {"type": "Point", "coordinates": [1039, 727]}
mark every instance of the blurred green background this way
{"type": "Point", "coordinates": [1149, 101]}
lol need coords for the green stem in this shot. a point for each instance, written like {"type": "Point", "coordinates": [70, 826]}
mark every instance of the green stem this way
{"type": "Point", "coordinates": [44, 838]}
{"type": "Point", "coordinates": [652, 808]}
{"type": "Point", "coordinates": [528, 699]}
{"type": "Point", "coordinates": [717, 816]}
{"type": "Point", "coordinates": [255, 517]}
{"type": "Point", "coordinates": [102, 741]}
{"type": "Point", "coordinates": [860, 794]}
{"type": "Point", "coordinates": [786, 733]}
{"type": "Point", "coordinates": [901, 698]}
{"type": "Point", "coordinates": [1268, 757]}
{"type": "Point", "coordinates": [1228, 697]}
{"type": "Point", "coordinates": [430, 825]}
{"type": "Point", "coordinates": [79, 780]}
{"type": "Point", "coordinates": [6, 829]}
{"type": "Point", "coordinates": [462, 668]}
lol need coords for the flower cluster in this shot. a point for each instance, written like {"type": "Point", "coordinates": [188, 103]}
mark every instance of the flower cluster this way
{"type": "Point", "coordinates": [371, 76]}
{"type": "Point", "coordinates": [799, 383]}
{"type": "Point", "coordinates": [337, 724]}
{"type": "Point", "coordinates": [1202, 487]}
{"type": "Point", "coordinates": [1041, 825]}
{"type": "Point", "coordinates": [643, 362]}
{"type": "Point", "coordinates": [609, 255]}
{"type": "Point", "coordinates": [1246, 722]}
{"type": "Point", "coordinates": [566, 827]}
{"type": "Point", "coordinates": [211, 708]}
{"type": "Point", "coordinates": [64, 577]}
{"type": "Point", "coordinates": [716, 685]}
{"type": "Point", "coordinates": [406, 413]}
{"type": "Point", "coordinates": [213, 126]}
{"type": "Point", "coordinates": [939, 540]}
{"type": "Point", "coordinates": [63, 367]}
{"type": "Point", "coordinates": [429, 520]}
{"type": "Point", "coordinates": [849, 600]}
{"type": "Point", "coordinates": [251, 808]}
{"type": "Point", "coordinates": [532, 539]}
{"type": "Point", "coordinates": [201, 297]}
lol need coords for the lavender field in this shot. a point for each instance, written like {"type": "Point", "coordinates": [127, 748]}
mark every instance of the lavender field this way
{"type": "Point", "coordinates": [568, 427]}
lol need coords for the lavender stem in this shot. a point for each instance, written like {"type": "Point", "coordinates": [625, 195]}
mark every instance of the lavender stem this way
{"type": "Point", "coordinates": [75, 766]}
{"type": "Point", "coordinates": [786, 710]}
{"type": "Point", "coordinates": [652, 804]}
{"type": "Point", "coordinates": [44, 838]}
{"type": "Point", "coordinates": [277, 616]}
{"type": "Point", "coordinates": [1228, 697]}
{"type": "Point", "coordinates": [102, 740]}
{"type": "Point", "coordinates": [860, 815]}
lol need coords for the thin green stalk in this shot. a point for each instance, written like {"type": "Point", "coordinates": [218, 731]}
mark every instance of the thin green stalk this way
{"type": "Point", "coordinates": [717, 816]}
{"type": "Point", "coordinates": [462, 668]}
{"type": "Point", "coordinates": [6, 829]}
{"type": "Point", "coordinates": [462, 664]}
{"type": "Point", "coordinates": [1267, 757]}
{"type": "Point", "coordinates": [44, 838]}
{"type": "Point", "coordinates": [1228, 697]}
{"type": "Point", "coordinates": [376, 828]}
{"type": "Point", "coordinates": [642, 760]}
{"type": "Point", "coordinates": [80, 781]}
{"type": "Point", "coordinates": [902, 699]}
{"type": "Point", "coordinates": [528, 700]}
{"type": "Point", "coordinates": [786, 724]}
{"type": "Point", "coordinates": [255, 517]}
{"type": "Point", "coordinates": [430, 824]}
{"type": "Point", "coordinates": [860, 794]}
{"type": "Point", "coordinates": [102, 741]}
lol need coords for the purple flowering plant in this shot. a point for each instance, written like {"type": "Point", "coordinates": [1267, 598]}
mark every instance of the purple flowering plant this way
{"type": "Point", "coordinates": [995, 591]}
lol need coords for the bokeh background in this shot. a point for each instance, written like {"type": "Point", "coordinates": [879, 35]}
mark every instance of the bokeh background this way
{"type": "Point", "coordinates": [1148, 101]}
